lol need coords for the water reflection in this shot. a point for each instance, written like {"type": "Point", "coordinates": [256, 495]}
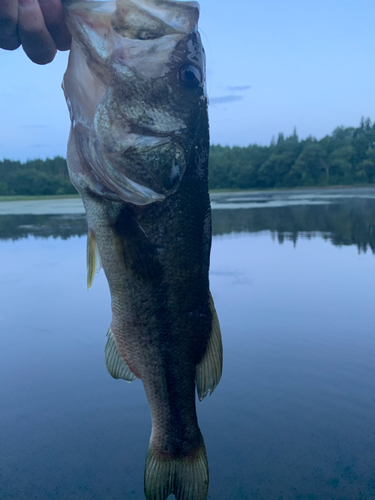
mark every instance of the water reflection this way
{"type": "Point", "coordinates": [293, 415]}
{"type": "Point", "coordinates": [350, 222]}
{"type": "Point", "coordinates": [346, 217]}
{"type": "Point", "coordinates": [14, 227]}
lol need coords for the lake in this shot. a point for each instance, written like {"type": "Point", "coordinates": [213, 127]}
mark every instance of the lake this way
{"type": "Point", "coordinates": [293, 278]}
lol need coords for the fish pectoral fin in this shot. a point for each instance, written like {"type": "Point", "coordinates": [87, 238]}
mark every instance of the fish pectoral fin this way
{"type": "Point", "coordinates": [93, 258]}
{"type": "Point", "coordinates": [208, 373]}
{"type": "Point", "coordinates": [114, 362]}
{"type": "Point", "coordinates": [185, 478]}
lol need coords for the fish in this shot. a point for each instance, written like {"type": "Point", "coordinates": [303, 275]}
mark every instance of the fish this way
{"type": "Point", "coordinates": [138, 156]}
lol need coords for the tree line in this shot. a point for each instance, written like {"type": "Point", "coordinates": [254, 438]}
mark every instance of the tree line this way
{"type": "Point", "coordinates": [35, 177]}
{"type": "Point", "coordinates": [345, 157]}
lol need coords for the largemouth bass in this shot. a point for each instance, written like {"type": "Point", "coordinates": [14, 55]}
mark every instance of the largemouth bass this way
{"type": "Point", "coordinates": [138, 155]}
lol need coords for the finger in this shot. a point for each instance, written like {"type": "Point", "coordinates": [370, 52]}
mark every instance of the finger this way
{"type": "Point", "coordinates": [36, 40]}
{"type": "Point", "coordinates": [8, 24]}
{"type": "Point", "coordinates": [54, 20]}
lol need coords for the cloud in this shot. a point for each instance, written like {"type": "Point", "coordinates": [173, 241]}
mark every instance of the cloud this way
{"type": "Point", "coordinates": [225, 99]}
{"type": "Point", "coordinates": [239, 88]}
{"type": "Point", "coordinates": [33, 126]}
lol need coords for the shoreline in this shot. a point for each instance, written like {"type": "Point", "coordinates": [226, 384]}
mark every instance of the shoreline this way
{"type": "Point", "coordinates": [12, 198]}
{"type": "Point", "coordinates": [220, 199]}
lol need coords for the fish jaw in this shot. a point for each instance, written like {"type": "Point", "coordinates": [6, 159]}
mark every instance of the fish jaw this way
{"type": "Point", "coordinates": [131, 115]}
{"type": "Point", "coordinates": [101, 26]}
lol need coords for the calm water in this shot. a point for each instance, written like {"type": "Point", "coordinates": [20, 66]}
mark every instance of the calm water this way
{"type": "Point", "coordinates": [293, 277]}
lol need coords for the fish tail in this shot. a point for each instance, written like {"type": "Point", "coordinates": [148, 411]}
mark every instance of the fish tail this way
{"type": "Point", "coordinates": [186, 478]}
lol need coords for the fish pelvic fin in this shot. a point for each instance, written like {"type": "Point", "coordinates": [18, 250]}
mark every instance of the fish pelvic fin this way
{"type": "Point", "coordinates": [209, 369]}
{"type": "Point", "coordinates": [185, 478]}
{"type": "Point", "coordinates": [114, 362]}
{"type": "Point", "coordinates": [93, 258]}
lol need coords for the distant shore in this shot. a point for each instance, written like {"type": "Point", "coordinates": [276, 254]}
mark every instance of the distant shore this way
{"type": "Point", "coordinates": [39, 197]}
{"type": "Point", "coordinates": [220, 199]}
{"type": "Point", "coordinates": [212, 191]}
{"type": "Point", "coordinates": [344, 158]}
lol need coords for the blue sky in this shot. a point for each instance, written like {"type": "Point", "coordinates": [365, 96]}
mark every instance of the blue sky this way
{"type": "Point", "coordinates": [272, 66]}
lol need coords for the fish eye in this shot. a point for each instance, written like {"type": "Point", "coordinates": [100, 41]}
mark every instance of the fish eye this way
{"type": "Point", "coordinates": [190, 76]}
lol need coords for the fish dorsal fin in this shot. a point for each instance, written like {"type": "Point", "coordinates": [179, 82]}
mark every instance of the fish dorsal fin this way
{"type": "Point", "coordinates": [209, 369]}
{"type": "Point", "coordinates": [93, 260]}
{"type": "Point", "coordinates": [114, 362]}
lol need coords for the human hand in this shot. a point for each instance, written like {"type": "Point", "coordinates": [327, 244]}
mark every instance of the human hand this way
{"type": "Point", "coordinates": [38, 26]}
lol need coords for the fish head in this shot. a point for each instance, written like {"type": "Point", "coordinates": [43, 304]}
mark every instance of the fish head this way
{"type": "Point", "coordinates": [142, 113]}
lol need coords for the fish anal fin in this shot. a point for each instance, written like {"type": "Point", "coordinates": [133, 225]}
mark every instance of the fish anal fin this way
{"type": "Point", "coordinates": [93, 258]}
{"type": "Point", "coordinates": [185, 478]}
{"type": "Point", "coordinates": [209, 369]}
{"type": "Point", "coordinates": [115, 363]}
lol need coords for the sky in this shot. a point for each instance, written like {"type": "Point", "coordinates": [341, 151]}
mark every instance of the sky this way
{"type": "Point", "coordinates": [272, 66]}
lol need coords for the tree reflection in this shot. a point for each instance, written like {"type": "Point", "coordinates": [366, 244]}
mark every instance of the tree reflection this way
{"type": "Point", "coordinates": [14, 227]}
{"type": "Point", "coordinates": [351, 222]}
{"type": "Point", "coordinates": [347, 222]}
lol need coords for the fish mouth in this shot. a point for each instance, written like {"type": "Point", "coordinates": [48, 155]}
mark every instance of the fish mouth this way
{"type": "Point", "coordinates": [151, 19]}
{"type": "Point", "coordinates": [140, 34]}
{"type": "Point", "coordinates": [125, 44]}
{"type": "Point", "coordinates": [132, 19]}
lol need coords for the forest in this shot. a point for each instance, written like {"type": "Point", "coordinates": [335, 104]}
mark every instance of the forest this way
{"type": "Point", "coordinates": [346, 157]}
